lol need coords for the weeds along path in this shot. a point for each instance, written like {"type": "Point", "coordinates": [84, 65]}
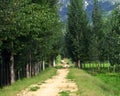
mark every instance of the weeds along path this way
{"type": "Point", "coordinates": [53, 86]}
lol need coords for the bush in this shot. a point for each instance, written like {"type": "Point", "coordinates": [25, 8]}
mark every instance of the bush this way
{"type": "Point", "coordinates": [58, 59]}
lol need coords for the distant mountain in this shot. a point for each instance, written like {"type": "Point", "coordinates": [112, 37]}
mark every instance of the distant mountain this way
{"type": "Point", "coordinates": [106, 5]}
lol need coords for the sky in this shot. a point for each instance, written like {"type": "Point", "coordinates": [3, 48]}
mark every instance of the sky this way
{"type": "Point", "coordinates": [106, 4]}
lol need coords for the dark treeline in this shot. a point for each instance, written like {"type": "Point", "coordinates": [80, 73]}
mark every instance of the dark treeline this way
{"type": "Point", "coordinates": [96, 41]}
{"type": "Point", "coordinates": [30, 38]}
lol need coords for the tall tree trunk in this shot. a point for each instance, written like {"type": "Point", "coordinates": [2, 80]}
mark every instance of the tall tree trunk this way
{"type": "Point", "coordinates": [43, 65]}
{"type": "Point", "coordinates": [50, 63]}
{"type": "Point", "coordinates": [7, 74]}
{"type": "Point", "coordinates": [27, 71]}
{"type": "Point", "coordinates": [18, 75]}
{"type": "Point", "coordinates": [30, 63]}
{"type": "Point", "coordinates": [40, 67]}
{"type": "Point", "coordinates": [54, 64]}
{"type": "Point", "coordinates": [36, 68]}
{"type": "Point", "coordinates": [84, 65]}
{"type": "Point", "coordinates": [4, 73]}
{"type": "Point", "coordinates": [79, 66]}
{"type": "Point", "coordinates": [76, 64]}
{"type": "Point", "coordinates": [1, 74]}
{"type": "Point", "coordinates": [12, 68]}
{"type": "Point", "coordinates": [103, 65]}
{"type": "Point", "coordinates": [5, 67]}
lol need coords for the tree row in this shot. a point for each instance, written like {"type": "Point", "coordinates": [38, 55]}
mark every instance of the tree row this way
{"type": "Point", "coordinates": [30, 38]}
{"type": "Point", "coordinates": [96, 40]}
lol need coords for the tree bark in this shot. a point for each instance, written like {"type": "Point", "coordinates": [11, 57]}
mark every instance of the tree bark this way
{"type": "Point", "coordinates": [36, 68]}
{"type": "Point", "coordinates": [12, 68]}
{"type": "Point", "coordinates": [79, 64]}
{"type": "Point", "coordinates": [76, 64]}
{"type": "Point", "coordinates": [50, 63]}
{"type": "Point", "coordinates": [33, 70]}
{"type": "Point", "coordinates": [83, 65]}
{"type": "Point", "coordinates": [43, 63]}
{"type": "Point", "coordinates": [103, 65]}
{"type": "Point", "coordinates": [18, 74]}
{"type": "Point", "coordinates": [30, 64]}
{"type": "Point", "coordinates": [7, 74]}
{"type": "Point", "coordinates": [1, 77]}
{"type": "Point", "coordinates": [27, 71]}
{"type": "Point", "coordinates": [54, 64]}
{"type": "Point", "coordinates": [40, 67]}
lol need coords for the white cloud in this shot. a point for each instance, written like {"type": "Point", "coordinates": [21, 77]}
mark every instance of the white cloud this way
{"type": "Point", "coordinates": [61, 9]}
{"type": "Point", "coordinates": [86, 4]}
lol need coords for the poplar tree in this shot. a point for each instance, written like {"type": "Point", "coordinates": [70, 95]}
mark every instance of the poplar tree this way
{"type": "Point", "coordinates": [30, 32]}
{"type": "Point", "coordinates": [97, 34]}
{"type": "Point", "coordinates": [76, 31]}
{"type": "Point", "coordinates": [114, 38]}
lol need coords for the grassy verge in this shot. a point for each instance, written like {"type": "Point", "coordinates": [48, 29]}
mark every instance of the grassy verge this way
{"type": "Point", "coordinates": [89, 85]}
{"type": "Point", "coordinates": [64, 93]}
{"type": "Point", "coordinates": [112, 79]}
{"type": "Point", "coordinates": [22, 84]}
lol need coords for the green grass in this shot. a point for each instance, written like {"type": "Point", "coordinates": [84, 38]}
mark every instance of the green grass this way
{"type": "Point", "coordinates": [35, 88]}
{"type": "Point", "coordinates": [89, 85]}
{"type": "Point", "coordinates": [112, 79]}
{"type": "Point", "coordinates": [22, 84]}
{"type": "Point", "coordinates": [58, 67]}
{"type": "Point", "coordinates": [64, 93]}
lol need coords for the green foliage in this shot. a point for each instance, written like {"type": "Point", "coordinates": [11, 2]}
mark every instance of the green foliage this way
{"type": "Point", "coordinates": [64, 93]}
{"type": "Point", "coordinates": [98, 42]}
{"type": "Point", "coordinates": [51, 3]}
{"type": "Point", "coordinates": [97, 36]}
{"type": "Point", "coordinates": [39, 21]}
{"type": "Point", "coordinates": [31, 30]}
{"type": "Point", "coordinates": [114, 38]}
{"type": "Point", "coordinates": [58, 59]}
{"type": "Point", "coordinates": [104, 38]}
{"type": "Point", "coordinates": [69, 61]}
{"type": "Point", "coordinates": [111, 79]}
{"type": "Point", "coordinates": [58, 67]}
{"type": "Point", "coordinates": [35, 88]}
{"type": "Point", "coordinates": [77, 30]}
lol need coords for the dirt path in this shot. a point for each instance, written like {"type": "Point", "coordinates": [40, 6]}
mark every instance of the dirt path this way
{"type": "Point", "coordinates": [53, 86]}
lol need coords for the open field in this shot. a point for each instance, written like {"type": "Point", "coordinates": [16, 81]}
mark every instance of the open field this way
{"type": "Point", "coordinates": [112, 79]}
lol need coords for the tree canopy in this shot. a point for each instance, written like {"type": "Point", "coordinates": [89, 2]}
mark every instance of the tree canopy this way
{"type": "Point", "coordinates": [76, 33]}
